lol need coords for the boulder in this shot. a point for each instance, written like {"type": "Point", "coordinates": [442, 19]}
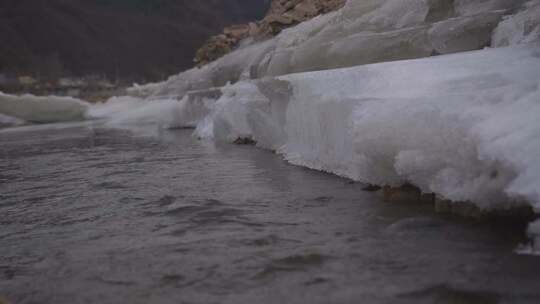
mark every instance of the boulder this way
{"type": "Point", "coordinates": [237, 32]}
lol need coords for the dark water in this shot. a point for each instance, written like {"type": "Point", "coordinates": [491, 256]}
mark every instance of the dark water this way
{"type": "Point", "coordinates": [94, 215]}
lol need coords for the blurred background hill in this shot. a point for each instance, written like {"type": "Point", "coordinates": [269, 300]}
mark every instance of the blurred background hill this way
{"type": "Point", "coordinates": [131, 40]}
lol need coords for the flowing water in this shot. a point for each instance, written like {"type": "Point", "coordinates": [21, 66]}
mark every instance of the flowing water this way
{"type": "Point", "coordinates": [90, 214]}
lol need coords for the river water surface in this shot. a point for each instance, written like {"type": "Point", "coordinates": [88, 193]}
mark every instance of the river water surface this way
{"type": "Point", "coordinates": [90, 214]}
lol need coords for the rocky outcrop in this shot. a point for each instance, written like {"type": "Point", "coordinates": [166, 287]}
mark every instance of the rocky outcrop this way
{"type": "Point", "coordinates": [219, 45]}
{"type": "Point", "coordinates": [285, 13]}
{"type": "Point", "coordinates": [282, 14]}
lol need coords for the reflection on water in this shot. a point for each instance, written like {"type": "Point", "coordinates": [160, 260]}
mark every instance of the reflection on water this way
{"type": "Point", "coordinates": [96, 215]}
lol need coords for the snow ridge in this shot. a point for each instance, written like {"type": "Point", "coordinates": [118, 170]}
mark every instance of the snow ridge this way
{"type": "Point", "coordinates": [464, 126]}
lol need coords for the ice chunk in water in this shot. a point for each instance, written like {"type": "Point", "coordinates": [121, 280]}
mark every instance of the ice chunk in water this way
{"type": "Point", "coordinates": [42, 109]}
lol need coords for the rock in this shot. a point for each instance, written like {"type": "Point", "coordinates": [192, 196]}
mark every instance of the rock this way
{"type": "Point", "coordinates": [461, 209]}
{"type": "Point", "coordinates": [307, 9]}
{"type": "Point", "coordinates": [469, 210]}
{"type": "Point", "coordinates": [371, 188]}
{"type": "Point", "coordinates": [281, 15]}
{"type": "Point", "coordinates": [285, 19]}
{"type": "Point", "coordinates": [254, 29]}
{"type": "Point", "coordinates": [443, 206]}
{"type": "Point", "coordinates": [213, 49]}
{"type": "Point", "coordinates": [237, 32]}
{"type": "Point", "coordinates": [404, 194]}
{"type": "Point", "coordinates": [245, 141]}
{"type": "Point", "coordinates": [427, 198]}
{"type": "Point", "coordinates": [466, 210]}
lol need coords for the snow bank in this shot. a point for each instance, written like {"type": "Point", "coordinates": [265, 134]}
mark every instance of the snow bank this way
{"type": "Point", "coordinates": [131, 111]}
{"type": "Point", "coordinates": [8, 121]}
{"type": "Point", "coordinates": [363, 32]}
{"type": "Point", "coordinates": [163, 111]}
{"type": "Point", "coordinates": [233, 67]}
{"type": "Point", "coordinates": [464, 126]}
{"type": "Point", "coordinates": [522, 27]}
{"type": "Point", "coordinates": [460, 125]}
{"type": "Point", "coordinates": [254, 110]}
{"type": "Point", "coordinates": [42, 109]}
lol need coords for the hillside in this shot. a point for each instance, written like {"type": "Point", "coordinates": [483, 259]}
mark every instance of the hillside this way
{"type": "Point", "coordinates": [136, 40]}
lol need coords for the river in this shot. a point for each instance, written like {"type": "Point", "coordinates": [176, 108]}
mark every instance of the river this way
{"type": "Point", "coordinates": [90, 214]}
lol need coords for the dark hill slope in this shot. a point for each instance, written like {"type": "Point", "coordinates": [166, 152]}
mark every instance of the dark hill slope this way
{"type": "Point", "coordinates": [135, 39]}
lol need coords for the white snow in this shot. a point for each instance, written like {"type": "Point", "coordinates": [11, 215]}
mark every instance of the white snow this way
{"type": "Point", "coordinates": [143, 91]}
{"type": "Point", "coordinates": [45, 109]}
{"type": "Point", "coordinates": [522, 27]}
{"type": "Point", "coordinates": [363, 32]}
{"type": "Point", "coordinates": [473, 7]}
{"type": "Point", "coordinates": [115, 106]}
{"type": "Point", "coordinates": [8, 121]}
{"type": "Point", "coordinates": [472, 32]}
{"type": "Point", "coordinates": [131, 111]}
{"type": "Point", "coordinates": [231, 114]}
{"type": "Point", "coordinates": [464, 126]}
{"type": "Point", "coordinates": [162, 111]}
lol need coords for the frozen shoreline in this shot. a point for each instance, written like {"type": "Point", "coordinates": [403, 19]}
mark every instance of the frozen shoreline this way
{"type": "Point", "coordinates": [462, 127]}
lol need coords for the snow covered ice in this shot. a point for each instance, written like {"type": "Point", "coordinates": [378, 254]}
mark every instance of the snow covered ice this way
{"type": "Point", "coordinates": [358, 93]}
{"type": "Point", "coordinates": [522, 27]}
{"type": "Point", "coordinates": [461, 125]}
{"type": "Point", "coordinates": [42, 109]}
{"type": "Point", "coordinates": [464, 126]}
{"type": "Point", "coordinates": [362, 32]}
{"type": "Point", "coordinates": [129, 111]}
